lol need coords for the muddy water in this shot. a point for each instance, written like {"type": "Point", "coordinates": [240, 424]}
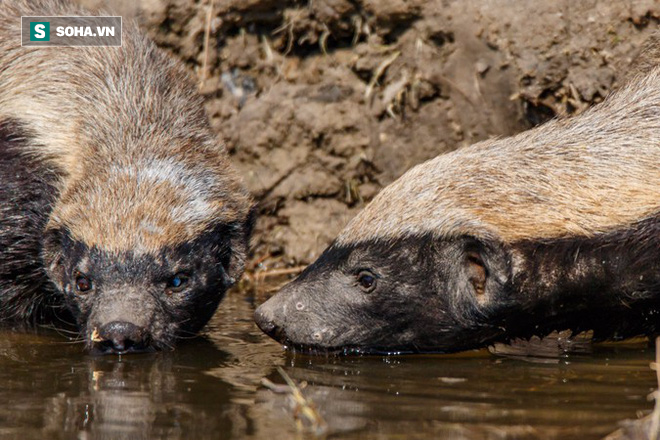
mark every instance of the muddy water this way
{"type": "Point", "coordinates": [211, 388]}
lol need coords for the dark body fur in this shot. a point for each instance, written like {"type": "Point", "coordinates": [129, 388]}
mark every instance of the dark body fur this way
{"type": "Point", "coordinates": [609, 284]}
{"type": "Point", "coordinates": [25, 200]}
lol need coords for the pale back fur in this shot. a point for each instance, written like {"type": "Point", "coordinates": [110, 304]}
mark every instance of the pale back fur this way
{"type": "Point", "coordinates": [580, 176]}
{"type": "Point", "coordinates": [126, 131]}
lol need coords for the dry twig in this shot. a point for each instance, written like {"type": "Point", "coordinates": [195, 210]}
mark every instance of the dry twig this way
{"type": "Point", "coordinates": [304, 410]}
{"type": "Point", "coordinates": [261, 275]}
{"type": "Point", "coordinates": [655, 416]}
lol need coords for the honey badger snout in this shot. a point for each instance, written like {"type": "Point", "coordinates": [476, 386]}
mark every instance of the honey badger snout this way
{"type": "Point", "coordinates": [122, 321]}
{"type": "Point", "coordinates": [120, 334]}
{"type": "Point", "coordinates": [268, 319]}
{"type": "Point", "coordinates": [121, 337]}
{"type": "Point", "coordinates": [265, 322]}
{"type": "Point", "coordinates": [292, 317]}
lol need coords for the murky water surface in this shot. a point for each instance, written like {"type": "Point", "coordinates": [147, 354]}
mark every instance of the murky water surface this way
{"type": "Point", "coordinates": [212, 388]}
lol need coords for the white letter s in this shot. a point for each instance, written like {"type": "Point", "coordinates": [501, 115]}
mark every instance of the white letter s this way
{"type": "Point", "coordinates": [40, 31]}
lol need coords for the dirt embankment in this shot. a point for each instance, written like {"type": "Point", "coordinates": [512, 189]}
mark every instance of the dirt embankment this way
{"type": "Point", "coordinates": [321, 103]}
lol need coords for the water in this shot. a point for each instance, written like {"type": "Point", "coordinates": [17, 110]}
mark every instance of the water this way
{"type": "Point", "coordinates": [211, 388]}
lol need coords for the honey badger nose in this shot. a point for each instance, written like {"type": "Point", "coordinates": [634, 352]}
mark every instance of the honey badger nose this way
{"type": "Point", "coordinates": [264, 320]}
{"type": "Point", "coordinates": [121, 337]}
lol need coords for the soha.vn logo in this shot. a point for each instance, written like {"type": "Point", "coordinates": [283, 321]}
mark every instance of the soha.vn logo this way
{"type": "Point", "coordinates": [53, 31]}
{"type": "Point", "coordinates": [40, 31]}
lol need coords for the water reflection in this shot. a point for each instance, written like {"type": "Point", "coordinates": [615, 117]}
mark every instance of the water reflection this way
{"type": "Point", "coordinates": [210, 388]}
{"type": "Point", "coordinates": [62, 392]}
{"type": "Point", "coordinates": [477, 395]}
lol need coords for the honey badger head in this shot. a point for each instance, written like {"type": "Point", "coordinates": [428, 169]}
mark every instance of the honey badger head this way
{"type": "Point", "coordinates": [555, 228]}
{"type": "Point", "coordinates": [143, 251]}
{"type": "Point", "coordinates": [418, 294]}
{"type": "Point", "coordinates": [446, 294]}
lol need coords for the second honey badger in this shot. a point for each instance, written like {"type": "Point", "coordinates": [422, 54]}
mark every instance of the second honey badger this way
{"type": "Point", "coordinates": [119, 211]}
{"type": "Point", "coordinates": [555, 228]}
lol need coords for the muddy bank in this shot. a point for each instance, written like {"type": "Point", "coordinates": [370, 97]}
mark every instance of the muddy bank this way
{"type": "Point", "coordinates": [321, 103]}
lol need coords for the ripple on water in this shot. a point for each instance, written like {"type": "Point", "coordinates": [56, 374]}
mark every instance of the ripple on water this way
{"type": "Point", "coordinates": [210, 388]}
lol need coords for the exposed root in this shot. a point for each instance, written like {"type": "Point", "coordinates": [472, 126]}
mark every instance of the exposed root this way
{"type": "Point", "coordinates": [353, 192]}
{"type": "Point", "coordinates": [207, 38]}
{"type": "Point", "coordinates": [394, 93]}
{"type": "Point", "coordinates": [288, 26]}
{"type": "Point", "coordinates": [323, 40]}
{"type": "Point", "coordinates": [379, 72]}
{"type": "Point", "coordinates": [268, 51]}
{"type": "Point", "coordinates": [357, 24]}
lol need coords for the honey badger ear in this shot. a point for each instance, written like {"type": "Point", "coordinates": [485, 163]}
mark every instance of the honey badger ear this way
{"type": "Point", "coordinates": [235, 266]}
{"type": "Point", "coordinates": [240, 234]}
{"type": "Point", "coordinates": [485, 268]}
{"type": "Point", "coordinates": [56, 243]}
{"type": "Point", "coordinates": [227, 243]}
{"type": "Point", "coordinates": [476, 271]}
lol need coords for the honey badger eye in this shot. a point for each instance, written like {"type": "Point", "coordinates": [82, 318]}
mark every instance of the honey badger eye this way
{"type": "Point", "coordinates": [367, 281]}
{"type": "Point", "coordinates": [83, 283]}
{"type": "Point", "coordinates": [178, 282]}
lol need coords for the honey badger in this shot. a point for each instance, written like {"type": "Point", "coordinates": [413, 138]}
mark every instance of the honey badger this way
{"type": "Point", "coordinates": [555, 228]}
{"type": "Point", "coordinates": [119, 211]}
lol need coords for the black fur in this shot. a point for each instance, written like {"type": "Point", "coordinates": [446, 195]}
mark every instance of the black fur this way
{"type": "Point", "coordinates": [425, 300]}
{"type": "Point", "coordinates": [609, 283]}
{"type": "Point", "coordinates": [26, 196]}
